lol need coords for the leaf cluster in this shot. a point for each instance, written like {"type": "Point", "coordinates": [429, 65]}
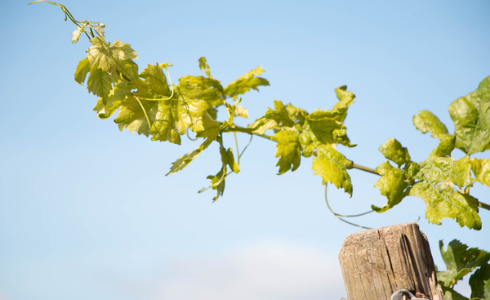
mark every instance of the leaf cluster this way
{"type": "Point", "coordinates": [460, 261]}
{"type": "Point", "coordinates": [442, 181]}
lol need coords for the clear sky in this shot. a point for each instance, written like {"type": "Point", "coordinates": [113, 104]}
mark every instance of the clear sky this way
{"type": "Point", "coordinates": [86, 211]}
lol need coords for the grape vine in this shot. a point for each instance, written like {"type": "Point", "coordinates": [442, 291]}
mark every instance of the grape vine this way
{"type": "Point", "coordinates": [148, 103]}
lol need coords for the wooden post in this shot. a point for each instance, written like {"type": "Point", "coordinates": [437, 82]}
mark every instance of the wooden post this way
{"type": "Point", "coordinates": [378, 262]}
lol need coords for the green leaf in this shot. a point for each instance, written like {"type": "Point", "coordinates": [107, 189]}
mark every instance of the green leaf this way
{"type": "Point", "coordinates": [82, 70]}
{"type": "Point", "coordinates": [307, 141]}
{"type": "Point", "coordinates": [393, 150]}
{"type": "Point", "coordinates": [132, 117]}
{"type": "Point", "coordinates": [447, 170]}
{"type": "Point", "coordinates": [203, 65]}
{"type": "Point", "coordinates": [445, 147]}
{"type": "Point", "coordinates": [480, 283]}
{"type": "Point", "coordinates": [241, 111]}
{"type": "Point", "coordinates": [460, 260]}
{"type": "Point", "coordinates": [288, 150]}
{"type": "Point", "coordinates": [425, 121]}
{"type": "Point", "coordinates": [280, 115]}
{"type": "Point", "coordinates": [228, 158]}
{"type": "Point", "coordinates": [115, 99]}
{"type": "Point", "coordinates": [471, 117]}
{"type": "Point", "coordinates": [198, 87]}
{"type": "Point", "coordinates": [443, 202]}
{"type": "Point", "coordinates": [327, 127]}
{"type": "Point", "coordinates": [384, 168]}
{"type": "Point", "coordinates": [106, 56]}
{"type": "Point", "coordinates": [332, 166]}
{"type": "Point", "coordinates": [76, 34]}
{"type": "Point", "coordinates": [296, 114]}
{"type": "Point", "coordinates": [99, 83]}
{"type": "Point", "coordinates": [186, 159]}
{"type": "Point", "coordinates": [393, 185]}
{"type": "Point", "coordinates": [346, 99]}
{"type": "Point", "coordinates": [246, 83]}
{"type": "Point", "coordinates": [156, 81]}
{"type": "Point", "coordinates": [218, 182]}
{"type": "Point", "coordinates": [451, 294]}
{"type": "Point", "coordinates": [481, 169]}
{"type": "Point", "coordinates": [173, 117]}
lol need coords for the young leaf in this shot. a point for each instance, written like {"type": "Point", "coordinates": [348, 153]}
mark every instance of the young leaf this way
{"type": "Point", "coordinates": [451, 294]}
{"type": "Point", "coordinates": [447, 170]}
{"type": "Point", "coordinates": [393, 185]}
{"type": "Point", "coordinates": [425, 121]}
{"type": "Point", "coordinates": [246, 83]}
{"type": "Point", "coordinates": [106, 56]}
{"type": "Point", "coordinates": [460, 260]}
{"type": "Point", "coordinates": [471, 117]}
{"type": "Point", "coordinates": [393, 150]}
{"type": "Point", "coordinates": [346, 99]}
{"type": "Point", "coordinates": [443, 202]}
{"type": "Point", "coordinates": [155, 80]}
{"type": "Point", "coordinates": [481, 169]}
{"type": "Point", "coordinates": [332, 166]}
{"type": "Point", "coordinates": [186, 159]}
{"type": "Point", "coordinates": [76, 34]}
{"type": "Point", "coordinates": [99, 83]}
{"type": "Point", "coordinates": [241, 111]}
{"type": "Point", "coordinates": [82, 70]}
{"type": "Point", "coordinates": [114, 100]}
{"type": "Point", "coordinates": [480, 283]}
{"type": "Point", "coordinates": [99, 28]}
{"type": "Point", "coordinates": [288, 150]}
{"type": "Point", "coordinates": [203, 65]}
{"type": "Point", "coordinates": [445, 147]}
{"type": "Point", "coordinates": [173, 117]}
{"type": "Point", "coordinates": [132, 117]}
{"type": "Point", "coordinates": [198, 87]}
{"type": "Point", "coordinates": [218, 182]}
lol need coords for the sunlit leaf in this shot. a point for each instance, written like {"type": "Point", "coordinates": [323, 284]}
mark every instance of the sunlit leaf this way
{"type": "Point", "coordinates": [288, 150]}
{"type": "Point", "coordinates": [425, 121]}
{"type": "Point", "coordinates": [245, 83]}
{"type": "Point", "coordinates": [393, 185]}
{"type": "Point", "coordinates": [471, 117]}
{"type": "Point", "coordinates": [332, 166]}
{"type": "Point", "coordinates": [443, 202]}
{"type": "Point", "coordinates": [481, 169]}
{"type": "Point", "coordinates": [393, 150]}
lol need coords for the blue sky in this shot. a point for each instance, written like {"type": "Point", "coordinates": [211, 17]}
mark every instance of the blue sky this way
{"type": "Point", "coordinates": [86, 211]}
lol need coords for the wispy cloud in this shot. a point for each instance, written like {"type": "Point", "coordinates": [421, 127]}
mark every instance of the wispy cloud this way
{"type": "Point", "coordinates": [263, 270]}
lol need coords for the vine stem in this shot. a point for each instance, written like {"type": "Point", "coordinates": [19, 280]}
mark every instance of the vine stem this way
{"type": "Point", "coordinates": [355, 166]}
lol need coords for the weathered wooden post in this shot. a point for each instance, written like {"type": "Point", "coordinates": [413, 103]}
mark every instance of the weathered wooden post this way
{"type": "Point", "coordinates": [378, 262]}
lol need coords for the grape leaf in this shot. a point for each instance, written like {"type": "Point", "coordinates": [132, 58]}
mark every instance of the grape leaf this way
{"type": "Point", "coordinates": [132, 117]}
{"type": "Point", "coordinates": [288, 150]}
{"type": "Point", "coordinates": [115, 99]}
{"type": "Point", "coordinates": [327, 125]}
{"type": "Point", "coordinates": [241, 111]}
{"type": "Point", "coordinates": [447, 170]}
{"type": "Point", "coordinates": [99, 83]}
{"type": "Point", "coordinates": [203, 65]}
{"type": "Point", "coordinates": [332, 166]}
{"type": "Point", "coordinates": [346, 99]}
{"type": "Point", "coordinates": [445, 147]}
{"type": "Point", "coordinates": [393, 185]}
{"type": "Point", "coordinates": [393, 150]}
{"type": "Point", "coordinates": [155, 81]}
{"type": "Point", "coordinates": [307, 141]}
{"type": "Point", "coordinates": [246, 83]}
{"type": "Point", "coordinates": [443, 202]}
{"type": "Point", "coordinates": [76, 34]}
{"type": "Point", "coordinates": [480, 283]}
{"type": "Point", "coordinates": [186, 159]}
{"type": "Point", "coordinates": [280, 115]}
{"type": "Point", "coordinates": [296, 114]}
{"type": "Point", "coordinates": [425, 121]}
{"type": "Point", "coordinates": [106, 56]}
{"type": "Point", "coordinates": [471, 117]}
{"type": "Point", "coordinates": [99, 28]}
{"type": "Point", "coordinates": [451, 294]}
{"type": "Point", "coordinates": [481, 169]}
{"type": "Point", "coordinates": [173, 117]}
{"type": "Point", "coordinates": [218, 182]}
{"type": "Point", "coordinates": [198, 87]}
{"type": "Point", "coordinates": [460, 260]}
{"type": "Point", "coordinates": [82, 70]}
